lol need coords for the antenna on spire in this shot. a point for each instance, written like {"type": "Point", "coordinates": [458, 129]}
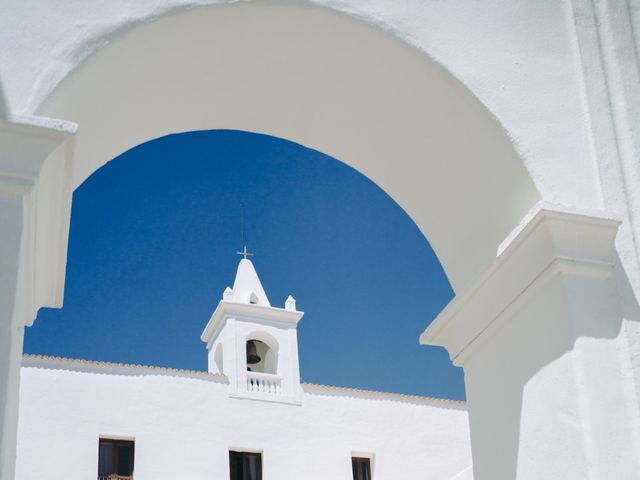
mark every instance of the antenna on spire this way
{"type": "Point", "coordinates": [243, 244]}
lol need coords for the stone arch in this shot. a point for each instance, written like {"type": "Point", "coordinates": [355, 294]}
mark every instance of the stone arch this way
{"type": "Point", "coordinates": [321, 79]}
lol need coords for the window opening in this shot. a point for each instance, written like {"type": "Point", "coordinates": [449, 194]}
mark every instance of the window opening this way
{"type": "Point", "coordinates": [361, 468]}
{"type": "Point", "coordinates": [115, 459]}
{"type": "Point", "coordinates": [245, 465]}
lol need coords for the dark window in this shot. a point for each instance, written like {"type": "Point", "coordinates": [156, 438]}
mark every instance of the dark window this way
{"type": "Point", "coordinates": [361, 468]}
{"type": "Point", "coordinates": [115, 459]}
{"type": "Point", "coordinates": [245, 465]}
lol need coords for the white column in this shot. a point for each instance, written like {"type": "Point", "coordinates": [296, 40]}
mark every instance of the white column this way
{"type": "Point", "coordinates": [35, 201]}
{"type": "Point", "coordinates": [540, 336]}
{"type": "Point", "coordinates": [11, 329]}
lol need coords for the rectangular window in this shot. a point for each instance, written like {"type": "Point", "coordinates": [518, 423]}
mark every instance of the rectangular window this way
{"type": "Point", "coordinates": [361, 468]}
{"type": "Point", "coordinates": [115, 459]}
{"type": "Point", "coordinates": [245, 465]}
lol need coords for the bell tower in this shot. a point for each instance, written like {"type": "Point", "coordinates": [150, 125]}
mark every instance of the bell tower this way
{"type": "Point", "coordinates": [254, 344]}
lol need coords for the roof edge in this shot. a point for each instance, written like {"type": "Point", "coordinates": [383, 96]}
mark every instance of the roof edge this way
{"type": "Point", "coordinates": [316, 388]}
{"type": "Point", "coordinates": [49, 361]}
{"type": "Point", "coordinates": [30, 360]}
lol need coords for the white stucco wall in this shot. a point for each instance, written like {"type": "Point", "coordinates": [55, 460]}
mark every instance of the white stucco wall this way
{"type": "Point", "coordinates": [184, 424]}
{"type": "Point", "coordinates": [506, 52]}
{"type": "Point", "coordinates": [523, 59]}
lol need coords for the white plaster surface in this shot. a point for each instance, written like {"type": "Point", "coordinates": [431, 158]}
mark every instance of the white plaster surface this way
{"type": "Point", "coordinates": [534, 65]}
{"type": "Point", "coordinates": [35, 202]}
{"type": "Point", "coordinates": [506, 52]}
{"type": "Point", "coordinates": [547, 373]}
{"type": "Point", "coordinates": [184, 424]}
{"type": "Point", "coordinates": [559, 76]}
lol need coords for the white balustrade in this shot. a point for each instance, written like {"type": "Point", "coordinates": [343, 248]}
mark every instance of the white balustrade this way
{"type": "Point", "coordinates": [264, 383]}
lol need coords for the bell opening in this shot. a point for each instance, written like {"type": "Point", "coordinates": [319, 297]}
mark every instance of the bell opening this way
{"type": "Point", "coordinates": [262, 357]}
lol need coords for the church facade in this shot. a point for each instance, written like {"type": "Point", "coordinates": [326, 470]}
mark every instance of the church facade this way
{"type": "Point", "coordinates": [248, 417]}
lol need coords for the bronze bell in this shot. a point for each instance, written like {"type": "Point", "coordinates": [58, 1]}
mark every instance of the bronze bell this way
{"type": "Point", "coordinates": [252, 353]}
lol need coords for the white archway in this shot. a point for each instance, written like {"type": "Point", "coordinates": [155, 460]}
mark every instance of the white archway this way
{"type": "Point", "coordinates": [329, 82]}
{"type": "Point", "coordinates": [321, 79]}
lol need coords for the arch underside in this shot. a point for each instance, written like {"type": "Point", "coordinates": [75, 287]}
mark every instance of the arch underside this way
{"type": "Point", "coordinates": [323, 80]}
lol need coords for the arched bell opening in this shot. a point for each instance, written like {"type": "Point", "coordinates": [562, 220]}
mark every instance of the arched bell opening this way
{"type": "Point", "coordinates": [262, 354]}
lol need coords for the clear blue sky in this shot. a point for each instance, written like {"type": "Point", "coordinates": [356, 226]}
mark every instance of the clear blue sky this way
{"type": "Point", "coordinates": [152, 247]}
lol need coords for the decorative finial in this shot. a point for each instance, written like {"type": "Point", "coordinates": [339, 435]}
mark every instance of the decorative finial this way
{"type": "Point", "coordinates": [244, 253]}
{"type": "Point", "coordinates": [290, 303]}
{"type": "Point", "coordinates": [227, 294]}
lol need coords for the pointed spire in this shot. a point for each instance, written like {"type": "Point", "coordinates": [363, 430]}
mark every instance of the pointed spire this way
{"type": "Point", "coordinates": [247, 287]}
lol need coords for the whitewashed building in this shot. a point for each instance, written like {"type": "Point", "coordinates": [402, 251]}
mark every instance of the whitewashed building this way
{"type": "Point", "coordinates": [506, 129]}
{"type": "Point", "coordinates": [247, 418]}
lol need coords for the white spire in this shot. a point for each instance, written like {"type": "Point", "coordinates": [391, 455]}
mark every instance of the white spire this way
{"type": "Point", "coordinates": [247, 287]}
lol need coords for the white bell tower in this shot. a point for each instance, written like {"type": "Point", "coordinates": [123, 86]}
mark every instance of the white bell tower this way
{"type": "Point", "coordinates": [254, 344]}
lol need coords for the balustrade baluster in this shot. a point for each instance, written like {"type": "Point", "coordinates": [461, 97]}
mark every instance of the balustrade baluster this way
{"type": "Point", "coordinates": [264, 383]}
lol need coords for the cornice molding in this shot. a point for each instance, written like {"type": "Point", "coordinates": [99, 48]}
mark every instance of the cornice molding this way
{"type": "Point", "coordinates": [552, 240]}
{"type": "Point", "coordinates": [277, 317]}
{"type": "Point", "coordinates": [36, 156]}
